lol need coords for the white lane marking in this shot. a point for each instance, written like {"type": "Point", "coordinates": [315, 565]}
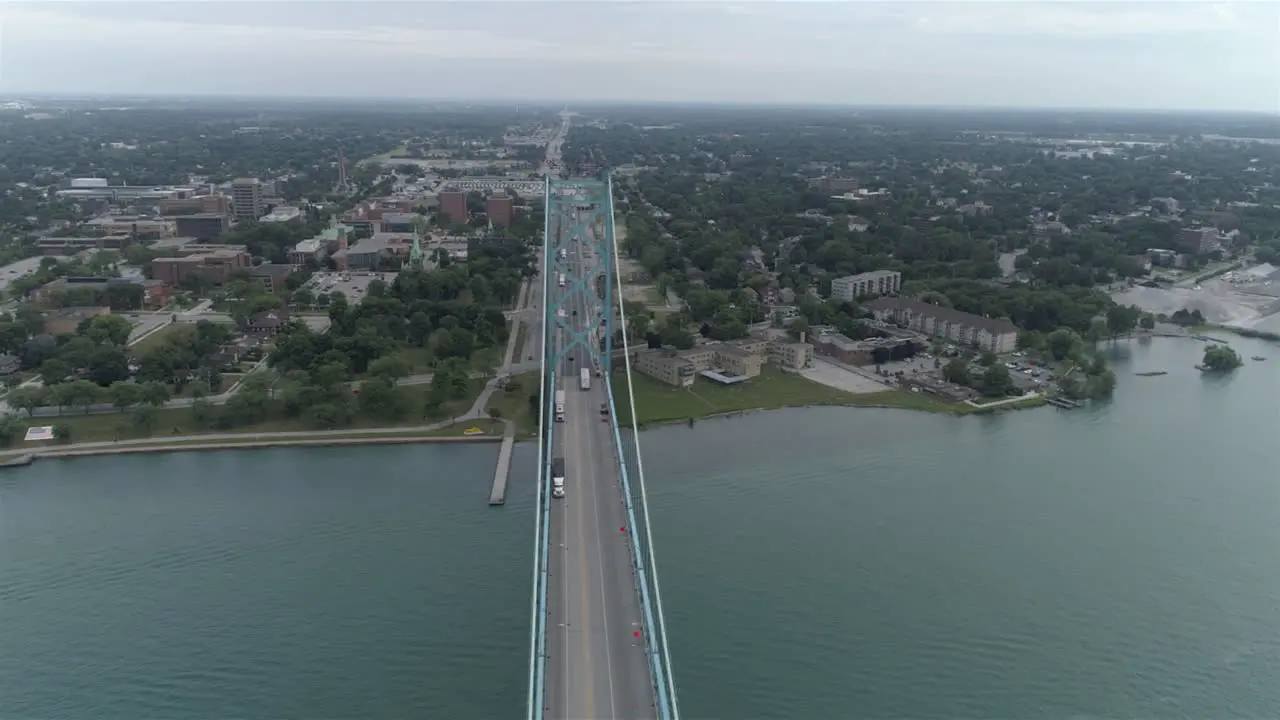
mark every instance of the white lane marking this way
{"type": "Point", "coordinates": [604, 605]}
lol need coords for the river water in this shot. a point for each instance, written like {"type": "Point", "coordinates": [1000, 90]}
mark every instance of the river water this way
{"type": "Point", "coordinates": [1115, 561]}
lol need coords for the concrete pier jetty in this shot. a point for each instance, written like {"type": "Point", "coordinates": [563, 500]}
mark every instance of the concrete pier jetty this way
{"type": "Point", "coordinates": [498, 494]}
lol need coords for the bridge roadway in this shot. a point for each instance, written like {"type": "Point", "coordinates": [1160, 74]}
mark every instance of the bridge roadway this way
{"type": "Point", "coordinates": [596, 665]}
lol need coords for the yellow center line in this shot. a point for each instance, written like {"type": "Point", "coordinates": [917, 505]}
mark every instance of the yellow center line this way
{"type": "Point", "coordinates": [584, 576]}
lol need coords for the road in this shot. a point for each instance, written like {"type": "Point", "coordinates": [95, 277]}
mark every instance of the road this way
{"type": "Point", "coordinates": [552, 163]}
{"type": "Point", "coordinates": [597, 666]}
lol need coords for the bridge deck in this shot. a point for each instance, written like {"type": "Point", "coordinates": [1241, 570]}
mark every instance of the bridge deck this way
{"type": "Point", "coordinates": [597, 664]}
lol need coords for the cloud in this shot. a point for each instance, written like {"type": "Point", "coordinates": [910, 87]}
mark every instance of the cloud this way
{"type": "Point", "coordinates": [989, 53]}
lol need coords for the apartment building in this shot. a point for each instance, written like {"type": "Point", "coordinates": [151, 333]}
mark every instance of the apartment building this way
{"type": "Point", "coordinates": [961, 328]}
{"type": "Point", "coordinates": [665, 366]}
{"type": "Point", "coordinates": [726, 362]}
{"type": "Point", "coordinates": [1200, 240]}
{"type": "Point", "coordinates": [790, 355]}
{"type": "Point", "coordinates": [247, 198]}
{"type": "Point", "coordinates": [876, 282]}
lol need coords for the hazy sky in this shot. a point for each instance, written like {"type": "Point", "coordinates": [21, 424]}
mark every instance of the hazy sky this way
{"type": "Point", "coordinates": [1168, 54]}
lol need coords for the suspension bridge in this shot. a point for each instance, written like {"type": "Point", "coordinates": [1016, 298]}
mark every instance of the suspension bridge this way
{"type": "Point", "coordinates": [597, 644]}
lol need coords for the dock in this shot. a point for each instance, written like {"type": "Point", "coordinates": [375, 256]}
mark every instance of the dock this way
{"type": "Point", "coordinates": [1063, 403]}
{"type": "Point", "coordinates": [498, 494]}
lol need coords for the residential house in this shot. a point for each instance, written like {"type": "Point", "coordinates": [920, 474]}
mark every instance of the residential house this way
{"type": "Point", "coordinates": [269, 323]}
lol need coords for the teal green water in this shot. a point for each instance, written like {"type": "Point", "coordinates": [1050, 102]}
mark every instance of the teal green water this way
{"type": "Point", "coordinates": [368, 582]}
{"type": "Point", "coordinates": [1117, 561]}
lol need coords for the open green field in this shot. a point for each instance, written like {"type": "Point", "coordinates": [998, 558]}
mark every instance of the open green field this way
{"type": "Point", "coordinates": [179, 422]}
{"type": "Point", "coordinates": [658, 402]}
{"type": "Point", "coordinates": [513, 403]}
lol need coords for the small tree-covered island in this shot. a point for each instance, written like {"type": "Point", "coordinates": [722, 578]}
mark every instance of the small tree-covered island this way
{"type": "Point", "coordinates": [1220, 359]}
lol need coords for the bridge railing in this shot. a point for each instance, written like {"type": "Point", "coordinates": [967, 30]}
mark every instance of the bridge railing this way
{"type": "Point", "coordinates": [652, 632]}
{"type": "Point", "coordinates": [646, 571]}
{"type": "Point", "coordinates": [542, 514]}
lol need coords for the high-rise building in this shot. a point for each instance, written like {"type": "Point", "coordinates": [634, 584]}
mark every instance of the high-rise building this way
{"type": "Point", "coordinates": [876, 282]}
{"type": "Point", "coordinates": [499, 210]}
{"type": "Point", "coordinates": [246, 198]}
{"type": "Point", "coordinates": [453, 206]}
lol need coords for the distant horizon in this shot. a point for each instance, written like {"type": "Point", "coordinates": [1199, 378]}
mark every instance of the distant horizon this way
{"type": "Point", "coordinates": [18, 96]}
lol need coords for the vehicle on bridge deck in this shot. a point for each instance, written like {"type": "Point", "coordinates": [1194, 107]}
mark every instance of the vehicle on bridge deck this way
{"type": "Point", "coordinates": [561, 279]}
{"type": "Point", "coordinates": [584, 378]}
{"type": "Point", "coordinates": [560, 405]}
{"type": "Point", "coordinates": [557, 478]}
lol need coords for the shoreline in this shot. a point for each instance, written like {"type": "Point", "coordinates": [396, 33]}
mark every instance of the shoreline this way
{"type": "Point", "coordinates": [1030, 403]}
{"type": "Point", "coordinates": [21, 458]}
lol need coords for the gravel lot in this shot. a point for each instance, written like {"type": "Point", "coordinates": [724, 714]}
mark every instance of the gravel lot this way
{"type": "Point", "coordinates": [837, 377]}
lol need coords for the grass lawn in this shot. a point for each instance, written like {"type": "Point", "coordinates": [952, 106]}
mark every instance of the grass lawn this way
{"type": "Point", "coordinates": [146, 344]}
{"type": "Point", "coordinates": [522, 337]}
{"type": "Point", "coordinates": [181, 421]}
{"type": "Point", "coordinates": [658, 402]}
{"type": "Point", "coordinates": [513, 402]}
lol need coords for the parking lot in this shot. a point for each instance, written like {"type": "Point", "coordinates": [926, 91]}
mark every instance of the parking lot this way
{"type": "Point", "coordinates": [353, 285]}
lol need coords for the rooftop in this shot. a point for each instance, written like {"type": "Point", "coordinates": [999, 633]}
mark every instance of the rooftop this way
{"type": "Point", "coordinates": [938, 312]}
{"type": "Point", "coordinates": [272, 270]}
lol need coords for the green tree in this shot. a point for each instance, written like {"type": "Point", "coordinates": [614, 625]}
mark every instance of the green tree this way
{"type": "Point", "coordinates": [124, 395]}
{"type": "Point", "coordinates": [379, 398]}
{"type": "Point", "coordinates": [1220, 358]}
{"type": "Point", "coordinates": [54, 371]}
{"type": "Point", "coordinates": [1063, 342]}
{"type": "Point", "coordinates": [392, 367]}
{"type": "Point", "coordinates": [956, 371]}
{"type": "Point", "coordinates": [83, 394]}
{"type": "Point", "coordinates": [996, 380]}
{"type": "Point", "coordinates": [113, 329]}
{"type": "Point", "coordinates": [154, 394]}
{"type": "Point", "coordinates": [28, 398]}
{"type": "Point", "coordinates": [1147, 321]}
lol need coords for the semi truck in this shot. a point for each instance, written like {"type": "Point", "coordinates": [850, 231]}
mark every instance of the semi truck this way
{"type": "Point", "coordinates": [559, 406]}
{"type": "Point", "coordinates": [584, 378]}
{"type": "Point", "coordinates": [557, 477]}
{"type": "Point", "coordinates": [561, 279]}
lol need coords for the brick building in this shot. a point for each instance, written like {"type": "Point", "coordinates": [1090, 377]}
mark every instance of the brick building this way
{"type": "Point", "coordinates": [500, 210]}
{"type": "Point", "coordinates": [453, 206]}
